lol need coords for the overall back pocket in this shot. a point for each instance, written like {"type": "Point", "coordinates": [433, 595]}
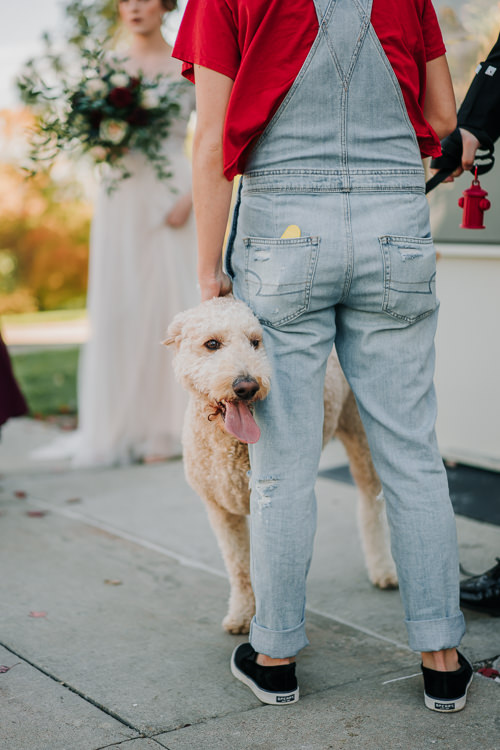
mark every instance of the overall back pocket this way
{"type": "Point", "coordinates": [279, 275]}
{"type": "Point", "coordinates": [409, 277]}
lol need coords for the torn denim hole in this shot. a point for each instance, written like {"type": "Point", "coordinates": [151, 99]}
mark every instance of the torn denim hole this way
{"type": "Point", "coordinates": [380, 497]}
{"type": "Point", "coordinates": [265, 489]}
{"type": "Point", "coordinates": [410, 254]}
{"type": "Point", "coordinates": [262, 254]}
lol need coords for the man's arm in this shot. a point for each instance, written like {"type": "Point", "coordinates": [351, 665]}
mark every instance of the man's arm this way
{"type": "Point", "coordinates": [211, 190]}
{"type": "Point", "coordinates": [480, 110]}
{"type": "Point", "coordinates": [479, 115]}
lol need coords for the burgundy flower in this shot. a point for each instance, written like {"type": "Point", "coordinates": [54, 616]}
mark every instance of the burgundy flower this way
{"type": "Point", "coordinates": [138, 117]}
{"type": "Point", "coordinates": [120, 97]}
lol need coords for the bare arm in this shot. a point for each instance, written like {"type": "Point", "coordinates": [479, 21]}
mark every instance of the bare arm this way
{"type": "Point", "coordinates": [211, 190]}
{"type": "Point", "coordinates": [439, 105]}
{"type": "Point", "coordinates": [180, 212]}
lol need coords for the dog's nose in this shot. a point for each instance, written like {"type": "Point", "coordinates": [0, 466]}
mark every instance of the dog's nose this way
{"type": "Point", "coordinates": [245, 387]}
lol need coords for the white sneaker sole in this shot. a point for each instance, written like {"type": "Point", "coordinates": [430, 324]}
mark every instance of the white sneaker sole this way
{"type": "Point", "coordinates": [265, 696]}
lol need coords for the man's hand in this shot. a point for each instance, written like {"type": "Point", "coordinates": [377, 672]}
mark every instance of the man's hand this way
{"type": "Point", "coordinates": [470, 145]}
{"type": "Point", "coordinates": [217, 285]}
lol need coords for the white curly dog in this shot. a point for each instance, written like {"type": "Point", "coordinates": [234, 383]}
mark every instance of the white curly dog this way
{"type": "Point", "coordinates": [220, 360]}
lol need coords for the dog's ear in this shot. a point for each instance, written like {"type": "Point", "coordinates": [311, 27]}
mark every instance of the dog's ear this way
{"type": "Point", "coordinates": [174, 331]}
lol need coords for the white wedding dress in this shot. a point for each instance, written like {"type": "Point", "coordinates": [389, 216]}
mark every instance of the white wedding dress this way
{"type": "Point", "coordinates": [141, 273]}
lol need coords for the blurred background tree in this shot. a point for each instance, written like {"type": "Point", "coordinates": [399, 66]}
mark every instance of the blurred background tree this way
{"type": "Point", "coordinates": [45, 220]}
{"type": "Point", "coordinates": [470, 30]}
{"type": "Point", "coordinates": [44, 230]}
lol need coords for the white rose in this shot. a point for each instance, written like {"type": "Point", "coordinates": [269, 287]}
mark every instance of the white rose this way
{"type": "Point", "coordinates": [149, 99]}
{"type": "Point", "coordinates": [95, 87]}
{"type": "Point", "coordinates": [113, 131]}
{"type": "Point", "coordinates": [119, 80]}
{"type": "Point", "coordinates": [98, 153]}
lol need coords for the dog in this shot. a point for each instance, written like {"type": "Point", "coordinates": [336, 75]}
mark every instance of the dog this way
{"type": "Point", "coordinates": [220, 360]}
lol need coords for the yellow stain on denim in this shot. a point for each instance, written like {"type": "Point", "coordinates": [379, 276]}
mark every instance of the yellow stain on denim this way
{"type": "Point", "coordinates": [292, 232]}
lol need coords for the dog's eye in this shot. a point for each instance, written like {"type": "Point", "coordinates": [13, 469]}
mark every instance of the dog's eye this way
{"type": "Point", "coordinates": [212, 344]}
{"type": "Point", "coordinates": [255, 343]}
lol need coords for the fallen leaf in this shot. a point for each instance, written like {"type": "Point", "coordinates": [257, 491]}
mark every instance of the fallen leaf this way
{"type": "Point", "coordinates": [36, 513]}
{"type": "Point", "coordinates": [4, 669]}
{"type": "Point", "coordinates": [20, 493]}
{"type": "Point", "coordinates": [489, 672]}
{"type": "Point", "coordinates": [38, 614]}
{"type": "Point", "coordinates": [74, 500]}
{"type": "Point", "coordinates": [113, 581]}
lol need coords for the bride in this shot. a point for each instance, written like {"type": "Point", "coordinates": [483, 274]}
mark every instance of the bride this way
{"type": "Point", "coordinates": [142, 271]}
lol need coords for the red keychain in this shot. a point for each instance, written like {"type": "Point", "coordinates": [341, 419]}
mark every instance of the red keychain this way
{"type": "Point", "coordinates": [474, 203]}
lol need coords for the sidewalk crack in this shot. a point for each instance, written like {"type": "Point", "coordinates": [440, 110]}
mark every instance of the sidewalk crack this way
{"type": "Point", "coordinates": [133, 739]}
{"type": "Point", "coordinates": [78, 692]}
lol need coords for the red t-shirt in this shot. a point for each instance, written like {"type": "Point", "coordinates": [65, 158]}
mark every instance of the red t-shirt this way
{"type": "Point", "coordinates": [262, 45]}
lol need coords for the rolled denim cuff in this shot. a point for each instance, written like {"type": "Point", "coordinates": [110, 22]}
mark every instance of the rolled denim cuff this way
{"type": "Point", "coordinates": [435, 635]}
{"type": "Point", "coordinates": [278, 644]}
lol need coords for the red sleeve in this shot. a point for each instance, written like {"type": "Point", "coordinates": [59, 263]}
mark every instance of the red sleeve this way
{"type": "Point", "coordinates": [433, 38]}
{"type": "Point", "coordinates": [208, 36]}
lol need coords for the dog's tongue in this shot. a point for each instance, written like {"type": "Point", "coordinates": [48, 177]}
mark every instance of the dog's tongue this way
{"type": "Point", "coordinates": [240, 423]}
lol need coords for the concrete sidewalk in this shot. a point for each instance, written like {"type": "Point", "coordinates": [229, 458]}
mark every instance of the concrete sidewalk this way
{"type": "Point", "coordinates": [113, 591]}
{"type": "Point", "coordinates": [47, 333]}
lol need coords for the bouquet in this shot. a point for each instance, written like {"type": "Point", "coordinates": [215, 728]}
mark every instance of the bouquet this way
{"type": "Point", "coordinates": [103, 112]}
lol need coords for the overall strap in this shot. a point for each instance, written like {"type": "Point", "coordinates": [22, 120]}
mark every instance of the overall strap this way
{"type": "Point", "coordinates": [343, 124]}
{"type": "Point", "coordinates": [344, 24]}
{"type": "Point", "coordinates": [322, 6]}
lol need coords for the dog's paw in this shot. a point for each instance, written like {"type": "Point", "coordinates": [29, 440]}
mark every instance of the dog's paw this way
{"type": "Point", "coordinates": [385, 579]}
{"type": "Point", "coordinates": [236, 625]}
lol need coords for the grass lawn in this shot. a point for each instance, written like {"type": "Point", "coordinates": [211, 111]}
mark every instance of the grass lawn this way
{"type": "Point", "coordinates": [48, 380]}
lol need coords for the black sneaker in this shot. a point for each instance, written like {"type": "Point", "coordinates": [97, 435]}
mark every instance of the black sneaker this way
{"type": "Point", "coordinates": [447, 691]}
{"type": "Point", "coordinates": [274, 685]}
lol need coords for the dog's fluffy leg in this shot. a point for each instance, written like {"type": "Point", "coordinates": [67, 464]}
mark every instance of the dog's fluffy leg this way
{"type": "Point", "coordinates": [232, 536]}
{"type": "Point", "coordinates": [372, 520]}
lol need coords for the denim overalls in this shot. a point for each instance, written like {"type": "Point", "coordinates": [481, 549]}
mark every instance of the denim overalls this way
{"type": "Point", "coordinates": [340, 161]}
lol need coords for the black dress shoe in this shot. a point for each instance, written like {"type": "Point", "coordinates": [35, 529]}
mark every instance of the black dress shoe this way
{"type": "Point", "coordinates": [482, 592]}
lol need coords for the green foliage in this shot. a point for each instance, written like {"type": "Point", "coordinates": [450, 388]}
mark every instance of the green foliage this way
{"type": "Point", "coordinates": [44, 244]}
{"type": "Point", "coordinates": [86, 103]}
{"type": "Point", "coordinates": [8, 268]}
{"type": "Point", "coordinates": [47, 379]}
{"type": "Point", "coordinates": [44, 223]}
{"type": "Point", "coordinates": [89, 24]}
{"type": "Point", "coordinates": [90, 19]}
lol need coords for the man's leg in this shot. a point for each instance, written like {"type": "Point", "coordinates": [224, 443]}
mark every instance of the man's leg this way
{"type": "Point", "coordinates": [390, 366]}
{"type": "Point", "coordinates": [284, 467]}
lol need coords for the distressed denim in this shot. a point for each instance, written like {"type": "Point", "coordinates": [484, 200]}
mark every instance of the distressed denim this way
{"type": "Point", "coordinates": [347, 171]}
